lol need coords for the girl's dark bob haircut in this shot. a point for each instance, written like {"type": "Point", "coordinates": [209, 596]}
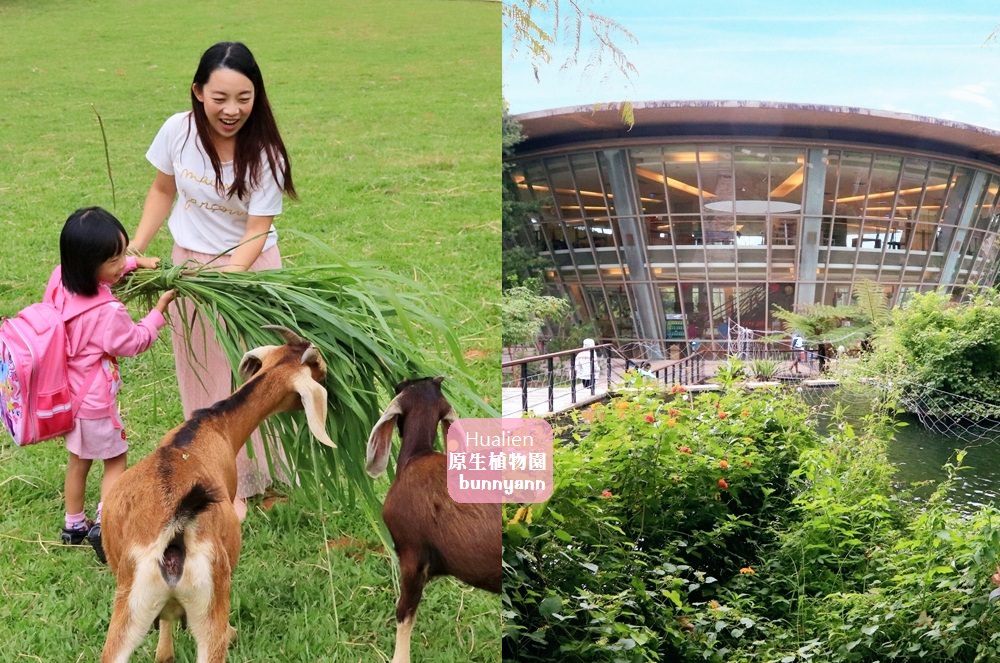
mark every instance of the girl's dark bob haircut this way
{"type": "Point", "coordinates": [90, 237]}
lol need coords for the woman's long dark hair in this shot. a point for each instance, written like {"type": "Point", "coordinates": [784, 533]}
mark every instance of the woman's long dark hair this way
{"type": "Point", "coordinates": [258, 135]}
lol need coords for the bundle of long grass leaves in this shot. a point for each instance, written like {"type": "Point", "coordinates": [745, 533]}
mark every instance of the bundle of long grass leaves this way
{"type": "Point", "coordinates": [372, 327]}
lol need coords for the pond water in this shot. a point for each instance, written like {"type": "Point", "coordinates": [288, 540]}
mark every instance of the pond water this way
{"type": "Point", "coordinates": [920, 454]}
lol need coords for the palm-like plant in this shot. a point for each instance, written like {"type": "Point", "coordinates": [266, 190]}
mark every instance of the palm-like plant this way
{"type": "Point", "coordinates": [841, 324]}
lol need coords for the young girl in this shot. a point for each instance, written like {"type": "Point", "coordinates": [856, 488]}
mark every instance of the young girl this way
{"type": "Point", "coordinates": [225, 165]}
{"type": "Point", "coordinates": [98, 330]}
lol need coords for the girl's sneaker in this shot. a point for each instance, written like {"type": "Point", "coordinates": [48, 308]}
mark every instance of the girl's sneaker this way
{"type": "Point", "coordinates": [74, 536]}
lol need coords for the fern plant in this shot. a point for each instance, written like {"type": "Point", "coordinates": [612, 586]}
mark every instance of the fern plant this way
{"type": "Point", "coordinates": [841, 325]}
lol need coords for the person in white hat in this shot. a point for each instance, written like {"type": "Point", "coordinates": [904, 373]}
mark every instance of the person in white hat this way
{"type": "Point", "coordinates": [583, 365]}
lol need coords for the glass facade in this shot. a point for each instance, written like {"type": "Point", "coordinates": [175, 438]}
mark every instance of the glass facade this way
{"type": "Point", "coordinates": [676, 241]}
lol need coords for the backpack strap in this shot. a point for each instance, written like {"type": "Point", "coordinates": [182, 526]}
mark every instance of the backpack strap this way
{"type": "Point", "coordinates": [85, 387]}
{"type": "Point", "coordinates": [103, 298]}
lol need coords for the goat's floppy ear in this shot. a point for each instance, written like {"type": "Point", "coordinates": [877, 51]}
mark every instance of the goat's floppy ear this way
{"type": "Point", "coordinates": [380, 439]}
{"type": "Point", "coordinates": [252, 361]}
{"type": "Point", "coordinates": [313, 396]}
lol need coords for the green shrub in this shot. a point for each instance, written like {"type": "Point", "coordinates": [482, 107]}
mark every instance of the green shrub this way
{"type": "Point", "coordinates": [764, 369]}
{"type": "Point", "coordinates": [807, 553]}
{"type": "Point", "coordinates": [655, 501]}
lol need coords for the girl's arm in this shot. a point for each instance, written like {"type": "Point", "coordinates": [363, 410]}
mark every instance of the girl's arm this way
{"type": "Point", "coordinates": [159, 199]}
{"type": "Point", "coordinates": [146, 262]}
{"type": "Point", "coordinates": [251, 244]}
{"type": "Point", "coordinates": [124, 338]}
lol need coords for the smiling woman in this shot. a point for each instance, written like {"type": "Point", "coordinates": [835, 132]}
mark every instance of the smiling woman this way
{"type": "Point", "coordinates": [224, 215]}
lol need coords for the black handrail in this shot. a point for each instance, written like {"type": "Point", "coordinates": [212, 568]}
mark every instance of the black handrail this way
{"type": "Point", "coordinates": [689, 370]}
{"type": "Point", "coordinates": [549, 359]}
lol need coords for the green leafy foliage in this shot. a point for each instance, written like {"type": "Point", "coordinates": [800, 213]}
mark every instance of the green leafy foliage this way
{"type": "Point", "coordinates": [840, 324]}
{"type": "Point", "coordinates": [656, 501]}
{"type": "Point", "coordinates": [522, 264]}
{"type": "Point", "coordinates": [370, 326]}
{"type": "Point", "coordinates": [764, 369]}
{"type": "Point", "coordinates": [525, 313]}
{"type": "Point", "coordinates": [944, 354]}
{"type": "Point", "coordinates": [723, 527]}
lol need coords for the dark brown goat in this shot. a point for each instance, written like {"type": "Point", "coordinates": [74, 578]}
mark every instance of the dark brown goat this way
{"type": "Point", "coordinates": [434, 535]}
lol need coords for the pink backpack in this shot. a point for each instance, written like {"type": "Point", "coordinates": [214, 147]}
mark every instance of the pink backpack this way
{"type": "Point", "coordinates": [35, 399]}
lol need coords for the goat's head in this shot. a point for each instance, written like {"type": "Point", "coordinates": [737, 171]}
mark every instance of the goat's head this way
{"type": "Point", "coordinates": [306, 373]}
{"type": "Point", "coordinates": [417, 408]}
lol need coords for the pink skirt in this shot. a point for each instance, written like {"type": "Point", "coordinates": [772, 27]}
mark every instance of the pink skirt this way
{"type": "Point", "coordinates": [205, 377]}
{"type": "Point", "coordinates": [97, 439]}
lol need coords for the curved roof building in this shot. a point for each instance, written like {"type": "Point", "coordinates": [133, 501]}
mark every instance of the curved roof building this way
{"type": "Point", "coordinates": [709, 214]}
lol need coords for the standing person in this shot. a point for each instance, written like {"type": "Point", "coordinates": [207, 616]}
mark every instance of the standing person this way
{"type": "Point", "coordinates": [823, 353]}
{"type": "Point", "coordinates": [798, 350]}
{"type": "Point", "coordinates": [98, 330]}
{"type": "Point", "coordinates": [221, 170]}
{"type": "Point", "coordinates": [583, 365]}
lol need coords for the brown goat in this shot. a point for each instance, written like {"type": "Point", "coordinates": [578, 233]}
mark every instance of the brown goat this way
{"type": "Point", "coordinates": [433, 535]}
{"type": "Point", "coordinates": [170, 532]}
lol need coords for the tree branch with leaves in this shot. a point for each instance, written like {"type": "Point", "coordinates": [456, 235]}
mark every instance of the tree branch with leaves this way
{"type": "Point", "coordinates": [537, 26]}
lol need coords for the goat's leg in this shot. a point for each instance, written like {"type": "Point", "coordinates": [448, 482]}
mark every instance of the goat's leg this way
{"type": "Point", "coordinates": [165, 645]}
{"type": "Point", "coordinates": [213, 635]}
{"type": "Point", "coordinates": [211, 629]}
{"type": "Point", "coordinates": [127, 628]}
{"type": "Point", "coordinates": [413, 578]}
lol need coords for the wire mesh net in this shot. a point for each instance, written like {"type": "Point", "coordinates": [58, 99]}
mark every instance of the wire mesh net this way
{"type": "Point", "coordinates": [952, 415]}
{"type": "Point", "coordinates": [943, 413]}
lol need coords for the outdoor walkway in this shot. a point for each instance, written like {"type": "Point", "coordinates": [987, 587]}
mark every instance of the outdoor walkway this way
{"type": "Point", "coordinates": [562, 397]}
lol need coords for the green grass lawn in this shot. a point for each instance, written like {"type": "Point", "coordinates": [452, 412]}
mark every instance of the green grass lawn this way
{"type": "Point", "coordinates": [390, 111]}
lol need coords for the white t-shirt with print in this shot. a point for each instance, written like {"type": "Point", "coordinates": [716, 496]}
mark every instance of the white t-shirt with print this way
{"type": "Point", "coordinates": [202, 219]}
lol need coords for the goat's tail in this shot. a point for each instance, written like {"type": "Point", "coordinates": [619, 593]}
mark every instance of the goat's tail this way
{"type": "Point", "coordinates": [198, 498]}
{"type": "Point", "coordinates": [194, 502]}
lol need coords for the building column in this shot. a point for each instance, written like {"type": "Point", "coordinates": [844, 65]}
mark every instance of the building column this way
{"type": "Point", "coordinates": [953, 238]}
{"type": "Point", "coordinates": [633, 248]}
{"type": "Point", "coordinates": [812, 223]}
